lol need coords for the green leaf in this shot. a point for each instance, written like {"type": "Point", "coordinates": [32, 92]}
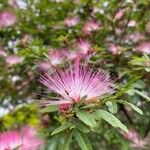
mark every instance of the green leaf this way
{"type": "Point", "coordinates": [134, 107]}
{"type": "Point", "coordinates": [50, 108]}
{"type": "Point", "coordinates": [87, 118]}
{"type": "Point", "coordinates": [82, 141]}
{"type": "Point", "coordinates": [112, 107]}
{"type": "Point", "coordinates": [61, 128]}
{"type": "Point", "coordinates": [111, 119]}
{"type": "Point", "coordinates": [68, 141]}
{"type": "Point", "coordinates": [82, 127]}
{"type": "Point", "coordinates": [143, 94]}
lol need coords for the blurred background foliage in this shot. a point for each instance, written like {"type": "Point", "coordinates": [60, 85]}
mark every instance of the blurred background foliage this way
{"type": "Point", "coordinates": [121, 45]}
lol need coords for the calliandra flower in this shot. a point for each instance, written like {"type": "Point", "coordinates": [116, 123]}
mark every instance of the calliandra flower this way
{"type": "Point", "coordinates": [84, 46]}
{"type": "Point", "coordinates": [114, 49]}
{"type": "Point", "coordinates": [9, 140]}
{"type": "Point", "coordinates": [44, 66]}
{"type": "Point", "coordinates": [90, 26]}
{"type": "Point", "coordinates": [134, 37]}
{"type": "Point", "coordinates": [7, 19]}
{"type": "Point", "coordinates": [130, 135]}
{"type": "Point", "coordinates": [119, 14]}
{"type": "Point", "coordinates": [72, 21]}
{"type": "Point", "coordinates": [143, 47]}
{"type": "Point", "coordinates": [132, 23]}
{"type": "Point", "coordinates": [13, 60]}
{"type": "Point", "coordinates": [77, 81]}
{"type": "Point", "coordinates": [29, 139]}
{"type": "Point", "coordinates": [2, 53]}
{"type": "Point", "coordinates": [13, 3]}
{"type": "Point", "coordinates": [135, 139]}
{"type": "Point", "coordinates": [72, 55]}
{"type": "Point", "coordinates": [57, 56]}
{"type": "Point", "coordinates": [24, 140]}
{"type": "Point", "coordinates": [139, 143]}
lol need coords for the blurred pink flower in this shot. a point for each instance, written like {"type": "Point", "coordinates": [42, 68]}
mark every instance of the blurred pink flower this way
{"type": "Point", "coordinates": [13, 3]}
{"type": "Point", "coordinates": [29, 139]}
{"type": "Point", "coordinates": [134, 37]}
{"type": "Point", "coordinates": [135, 139]}
{"type": "Point", "coordinates": [132, 23]}
{"type": "Point", "coordinates": [118, 31]}
{"type": "Point", "coordinates": [2, 53]}
{"type": "Point", "coordinates": [90, 26]}
{"type": "Point", "coordinates": [132, 135]}
{"type": "Point", "coordinates": [44, 66]}
{"type": "Point", "coordinates": [72, 21]}
{"type": "Point", "coordinates": [84, 46]}
{"type": "Point", "coordinates": [24, 140]}
{"type": "Point", "coordinates": [10, 140]}
{"type": "Point", "coordinates": [143, 47]}
{"type": "Point", "coordinates": [148, 27]}
{"type": "Point", "coordinates": [119, 14]}
{"type": "Point", "coordinates": [114, 49]}
{"type": "Point", "coordinates": [13, 60]}
{"type": "Point", "coordinates": [139, 143]}
{"type": "Point", "coordinates": [77, 81]}
{"type": "Point", "coordinates": [72, 55]}
{"type": "Point", "coordinates": [7, 19]}
{"type": "Point", "coordinates": [57, 56]}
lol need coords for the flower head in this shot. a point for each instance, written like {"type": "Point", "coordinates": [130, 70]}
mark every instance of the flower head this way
{"type": "Point", "coordinates": [76, 82]}
{"type": "Point", "coordinates": [13, 59]}
{"type": "Point", "coordinates": [70, 22]}
{"type": "Point", "coordinates": [114, 49]}
{"type": "Point", "coordinates": [135, 139]}
{"type": "Point", "coordinates": [57, 57]}
{"type": "Point", "coordinates": [143, 47]}
{"type": "Point", "coordinates": [119, 14]}
{"type": "Point", "coordinates": [7, 19]}
{"type": "Point", "coordinates": [139, 143]}
{"type": "Point", "coordinates": [84, 46]}
{"type": "Point", "coordinates": [91, 26]}
{"type": "Point", "coordinates": [24, 140]}
{"type": "Point", "coordinates": [9, 140]}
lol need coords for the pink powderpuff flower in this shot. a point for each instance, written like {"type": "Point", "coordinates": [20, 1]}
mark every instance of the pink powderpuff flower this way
{"type": "Point", "coordinates": [70, 22]}
{"type": "Point", "coordinates": [143, 47]}
{"type": "Point", "coordinates": [132, 23]}
{"type": "Point", "coordinates": [10, 140]}
{"type": "Point", "coordinates": [135, 139]}
{"type": "Point", "coordinates": [7, 19]}
{"type": "Point", "coordinates": [132, 135]}
{"type": "Point", "coordinates": [57, 56]}
{"type": "Point", "coordinates": [119, 14]}
{"type": "Point", "coordinates": [29, 139]}
{"type": "Point", "coordinates": [134, 37]}
{"type": "Point", "coordinates": [71, 55]}
{"type": "Point", "coordinates": [2, 53]}
{"type": "Point", "coordinates": [13, 3]}
{"type": "Point", "coordinates": [13, 60]}
{"type": "Point", "coordinates": [77, 81]}
{"type": "Point", "coordinates": [91, 26]}
{"type": "Point", "coordinates": [139, 143]}
{"type": "Point", "coordinates": [114, 49]}
{"type": "Point", "coordinates": [84, 47]}
{"type": "Point", "coordinates": [44, 66]}
{"type": "Point", "coordinates": [24, 140]}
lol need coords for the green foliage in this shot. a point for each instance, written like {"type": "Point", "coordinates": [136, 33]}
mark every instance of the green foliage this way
{"type": "Point", "coordinates": [111, 119]}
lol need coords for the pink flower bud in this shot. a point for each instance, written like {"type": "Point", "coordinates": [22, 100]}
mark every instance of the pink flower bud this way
{"type": "Point", "coordinates": [7, 19]}
{"type": "Point", "coordinates": [13, 60]}
{"type": "Point", "coordinates": [70, 22]}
